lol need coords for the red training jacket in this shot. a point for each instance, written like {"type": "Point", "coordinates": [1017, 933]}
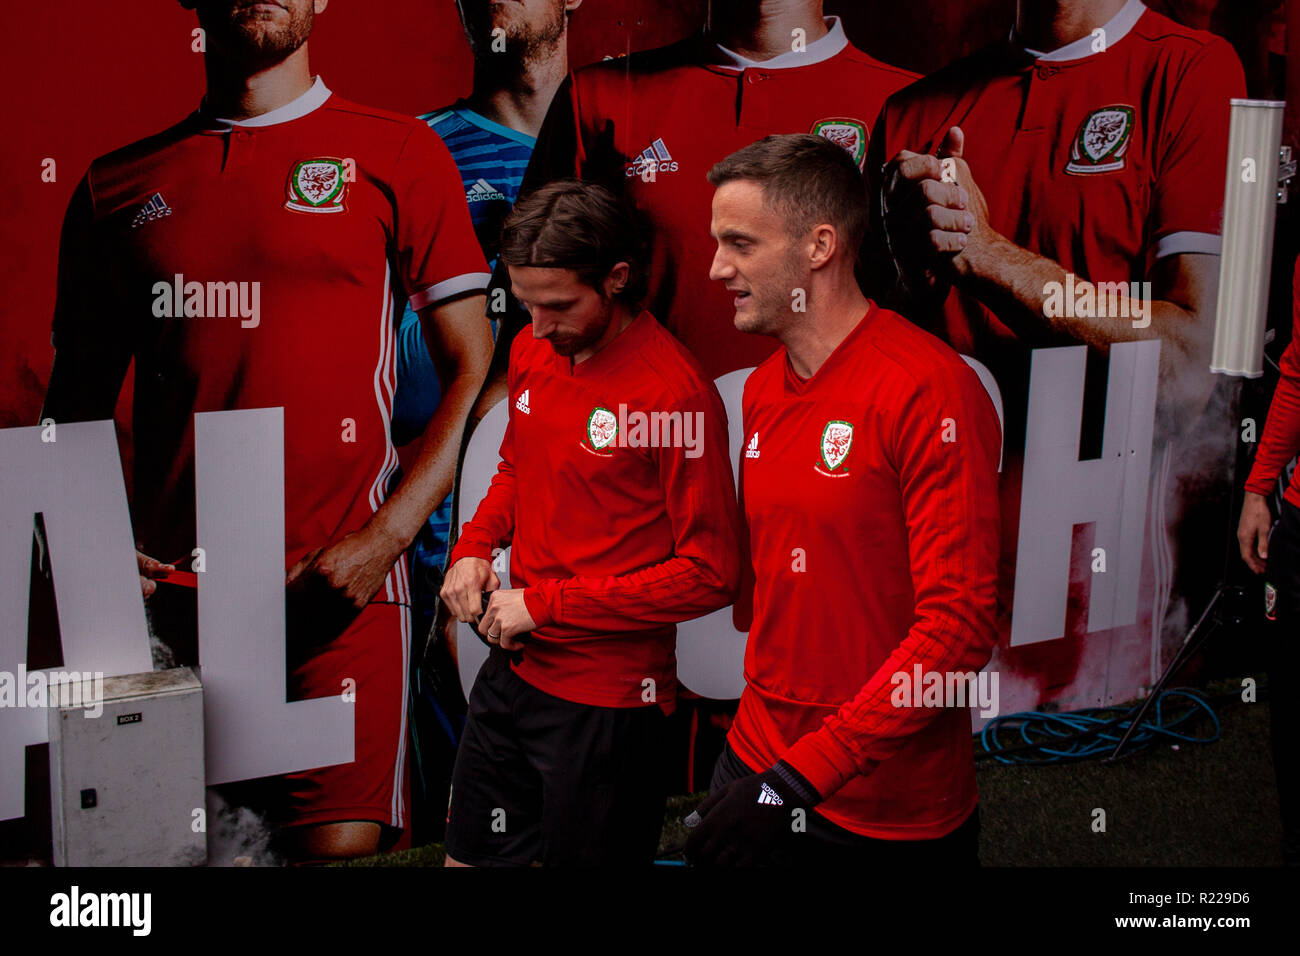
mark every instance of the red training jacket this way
{"type": "Point", "coordinates": [616, 492]}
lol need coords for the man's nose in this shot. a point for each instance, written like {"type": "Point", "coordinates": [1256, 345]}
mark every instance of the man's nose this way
{"type": "Point", "coordinates": [720, 269]}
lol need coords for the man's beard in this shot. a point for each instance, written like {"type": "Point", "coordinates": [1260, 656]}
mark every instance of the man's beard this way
{"type": "Point", "coordinates": [572, 345]}
{"type": "Point", "coordinates": [254, 40]}
{"type": "Point", "coordinates": [524, 43]}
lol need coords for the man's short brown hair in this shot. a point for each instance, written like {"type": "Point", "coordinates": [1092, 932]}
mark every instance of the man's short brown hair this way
{"type": "Point", "coordinates": [806, 179]}
{"type": "Point", "coordinates": [581, 226]}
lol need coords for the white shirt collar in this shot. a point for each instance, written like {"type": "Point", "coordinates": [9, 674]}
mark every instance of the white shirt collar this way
{"type": "Point", "coordinates": [823, 48]}
{"type": "Point", "coordinates": [1115, 28]}
{"type": "Point", "coordinates": [316, 94]}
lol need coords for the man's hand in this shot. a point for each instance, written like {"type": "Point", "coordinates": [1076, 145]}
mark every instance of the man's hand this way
{"type": "Point", "coordinates": [353, 568]}
{"type": "Point", "coordinates": [927, 220]}
{"type": "Point", "coordinates": [981, 238]}
{"type": "Point", "coordinates": [463, 587]}
{"type": "Point", "coordinates": [507, 616]}
{"type": "Point", "coordinates": [749, 822]}
{"type": "Point", "coordinates": [1252, 531]}
{"type": "Point", "coordinates": [150, 568]}
{"type": "Point", "coordinates": [328, 587]}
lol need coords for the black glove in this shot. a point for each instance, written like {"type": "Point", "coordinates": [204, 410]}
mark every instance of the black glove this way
{"type": "Point", "coordinates": [749, 822]}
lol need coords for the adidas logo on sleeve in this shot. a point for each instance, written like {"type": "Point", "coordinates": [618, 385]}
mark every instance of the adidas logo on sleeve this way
{"type": "Point", "coordinates": [768, 795]}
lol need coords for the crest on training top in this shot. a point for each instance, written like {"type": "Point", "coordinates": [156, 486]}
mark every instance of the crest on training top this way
{"type": "Point", "coordinates": [316, 185]}
{"type": "Point", "coordinates": [602, 428]}
{"type": "Point", "coordinates": [850, 134]}
{"type": "Point", "coordinates": [1270, 601]}
{"type": "Point", "coordinates": [1102, 141]}
{"type": "Point", "coordinates": [837, 439]}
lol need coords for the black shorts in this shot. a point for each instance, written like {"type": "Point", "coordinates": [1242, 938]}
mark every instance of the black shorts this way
{"type": "Point", "coordinates": [827, 843]}
{"type": "Point", "coordinates": [542, 779]}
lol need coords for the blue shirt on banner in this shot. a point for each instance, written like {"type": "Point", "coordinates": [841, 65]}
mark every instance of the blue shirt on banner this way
{"type": "Point", "coordinates": [491, 159]}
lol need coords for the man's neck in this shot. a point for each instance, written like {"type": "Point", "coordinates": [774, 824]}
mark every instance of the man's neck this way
{"type": "Point", "coordinates": [618, 324]}
{"type": "Point", "coordinates": [768, 31]}
{"type": "Point", "coordinates": [235, 94]}
{"type": "Point", "coordinates": [519, 99]}
{"type": "Point", "coordinates": [1050, 26]}
{"type": "Point", "coordinates": [817, 333]}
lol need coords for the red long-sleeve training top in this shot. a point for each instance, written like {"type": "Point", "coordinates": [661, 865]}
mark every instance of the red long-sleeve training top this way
{"type": "Point", "coordinates": [1281, 438]}
{"type": "Point", "coordinates": [870, 491]}
{"type": "Point", "coordinates": [615, 491]}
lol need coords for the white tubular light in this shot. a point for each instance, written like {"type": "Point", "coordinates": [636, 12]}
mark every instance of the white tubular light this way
{"type": "Point", "coordinates": [1249, 207]}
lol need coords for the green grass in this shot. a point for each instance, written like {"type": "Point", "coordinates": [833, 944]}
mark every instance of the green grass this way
{"type": "Point", "coordinates": [431, 855]}
{"type": "Point", "coordinates": [1201, 805]}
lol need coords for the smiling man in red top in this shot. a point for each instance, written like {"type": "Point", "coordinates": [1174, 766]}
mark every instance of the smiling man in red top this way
{"type": "Point", "coordinates": [616, 494]}
{"type": "Point", "coordinates": [869, 485]}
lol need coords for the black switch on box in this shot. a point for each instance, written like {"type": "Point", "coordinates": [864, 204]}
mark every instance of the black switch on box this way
{"type": "Point", "coordinates": [88, 799]}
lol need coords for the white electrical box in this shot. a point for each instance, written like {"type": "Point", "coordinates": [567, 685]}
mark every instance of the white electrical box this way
{"type": "Point", "coordinates": [126, 772]}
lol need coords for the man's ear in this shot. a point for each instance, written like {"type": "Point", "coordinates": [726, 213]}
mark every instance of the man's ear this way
{"type": "Point", "coordinates": [616, 281]}
{"type": "Point", "coordinates": [824, 241]}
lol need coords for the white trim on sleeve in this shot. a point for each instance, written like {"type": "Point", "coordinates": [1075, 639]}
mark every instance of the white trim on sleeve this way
{"type": "Point", "coordinates": [1206, 243]}
{"type": "Point", "coordinates": [466, 282]}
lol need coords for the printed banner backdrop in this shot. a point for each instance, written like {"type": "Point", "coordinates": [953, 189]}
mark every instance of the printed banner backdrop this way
{"type": "Point", "coordinates": [1090, 472]}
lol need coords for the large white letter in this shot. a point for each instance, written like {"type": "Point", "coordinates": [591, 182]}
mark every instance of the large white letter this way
{"type": "Point", "coordinates": [239, 489]}
{"type": "Point", "coordinates": [1058, 491]}
{"type": "Point", "coordinates": [76, 483]}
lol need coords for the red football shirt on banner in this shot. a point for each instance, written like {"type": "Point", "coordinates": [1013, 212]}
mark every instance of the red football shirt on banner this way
{"type": "Point", "coordinates": [1103, 156]}
{"type": "Point", "coordinates": [258, 264]}
{"type": "Point", "coordinates": [873, 526]}
{"type": "Point", "coordinates": [654, 123]}
{"type": "Point", "coordinates": [615, 533]}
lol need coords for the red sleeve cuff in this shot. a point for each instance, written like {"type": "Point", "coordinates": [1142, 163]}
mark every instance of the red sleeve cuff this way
{"type": "Point", "coordinates": [469, 548]}
{"type": "Point", "coordinates": [1260, 485]}
{"type": "Point", "coordinates": [824, 762]}
{"type": "Point", "coordinates": [538, 606]}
